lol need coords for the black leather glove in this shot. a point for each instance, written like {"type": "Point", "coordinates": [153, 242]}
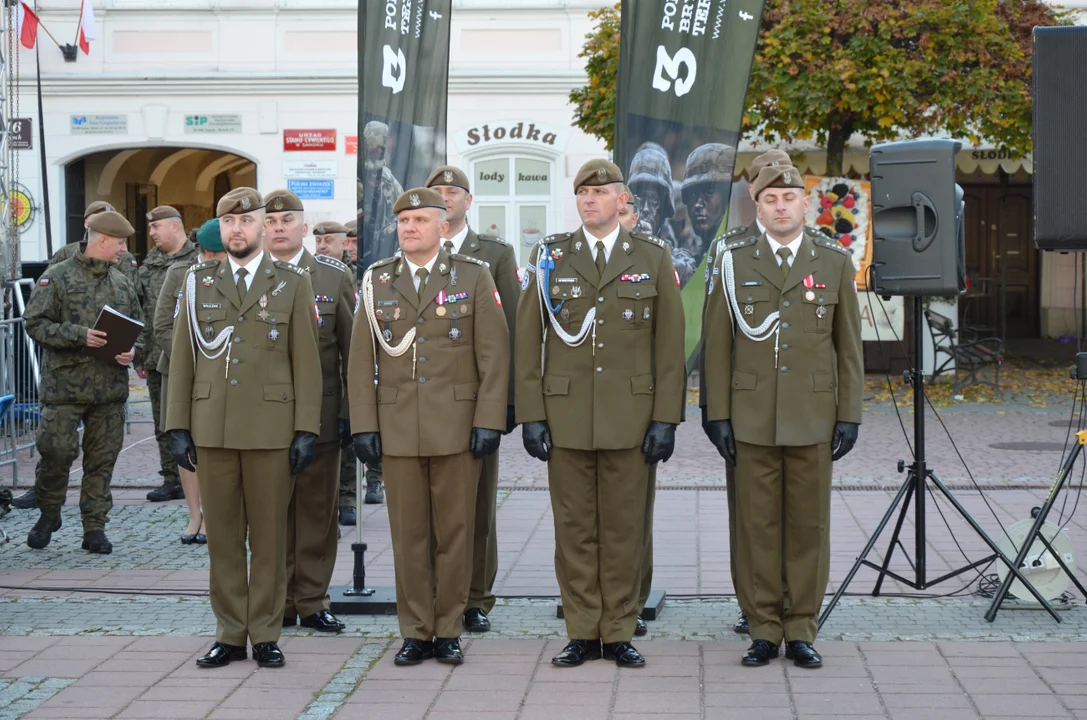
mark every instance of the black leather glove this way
{"type": "Point", "coordinates": [511, 419]}
{"type": "Point", "coordinates": [720, 434]}
{"type": "Point", "coordinates": [484, 442]}
{"type": "Point", "coordinates": [660, 441]}
{"type": "Point", "coordinates": [343, 428]}
{"type": "Point", "coordinates": [537, 439]}
{"type": "Point", "coordinates": [367, 448]}
{"type": "Point", "coordinates": [183, 449]}
{"type": "Point", "coordinates": [845, 437]}
{"type": "Point", "coordinates": [303, 451]}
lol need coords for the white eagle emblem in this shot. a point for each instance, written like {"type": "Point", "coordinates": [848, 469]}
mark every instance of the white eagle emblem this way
{"type": "Point", "coordinates": [448, 176]}
{"type": "Point", "coordinates": [414, 199]}
{"type": "Point", "coordinates": [245, 203]}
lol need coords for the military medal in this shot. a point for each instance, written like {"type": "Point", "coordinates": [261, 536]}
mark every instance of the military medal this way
{"type": "Point", "coordinates": [273, 334]}
{"type": "Point", "coordinates": [809, 296]}
{"type": "Point", "coordinates": [454, 333]}
{"type": "Point", "coordinates": [387, 334]}
{"type": "Point", "coordinates": [628, 314]}
{"type": "Point", "coordinates": [556, 253]}
{"type": "Point", "coordinates": [384, 278]}
{"type": "Point", "coordinates": [565, 313]}
{"type": "Point", "coordinates": [263, 302]}
{"type": "Point", "coordinates": [463, 309]}
{"type": "Point", "coordinates": [575, 291]}
{"type": "Point", "coordinates": [379, 313]}
{"type": "Point", "coordinates": [809, 282]}
{"type": "Point", "coordinates": [820, 312]}
{"type": "Point", "coordinates": [555, 291]}
{"type": "Point", "coordinates": [452, 277]}
{"type": "Point", "coordinates": [440, 311]}
{"type": "Point", "coordinates": [320, 321]}
{"type": "Point", "coordinates": [208, 281]}
{"type": "Point", "coordinates": [645, 314]}
{"type": "Point", "coordinates": [749, 309]}
{"type": "Point", "coordinates": [209, 332]}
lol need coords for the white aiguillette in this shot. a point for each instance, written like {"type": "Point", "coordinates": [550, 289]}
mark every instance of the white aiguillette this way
{"type": "Point", "coordinates": [121, 334]}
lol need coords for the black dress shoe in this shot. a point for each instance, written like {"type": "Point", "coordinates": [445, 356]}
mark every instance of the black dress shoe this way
{"type": "Point", "coordinates": [26, 501]}
{"type": "Point", "coordinates": [42, 532]}
{"type": "Point", "coordinates": [268, 655]}
{"type": "Point", "coordinates": [290, 620]}
{"type": "Point", "coordinates": [167, 491]}
{"type": "Point", "coordinates": [414, 652]}
{"type": "Point", "coordinates": [347, 516]}
{"type": "Point", "coordinates": [640, 628]}
{"type": "Point", "coordinates": [96, 542]}
{"type": "Point", "coordinates": [188, 539]}
{"type": "Point", "coordinates": [624, 654]}
{"type": "Point", "coordinates": [322, 621]}
{"type": "Point", "coordinates": [577, 652]}
{"type": "Point", "coordinates": [220, 655]}
{"type": "Point", "coordinates": [741, 627]}
{"type": "Point", "coordinates": [760, 653]}
{"type": "Point", "coordinates": [475, 620]}
{"type": "Point", "coordinates": [447, 650]}
{"type": "Point", "coordinates": [200, 539]}
{"type": "Point", "coordinates": [803, 654]}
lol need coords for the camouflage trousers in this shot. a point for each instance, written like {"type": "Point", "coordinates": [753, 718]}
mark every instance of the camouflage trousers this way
{"type": "Point", "coordinates": [348, 491]}
{"type": "Point", "coordinates": [58, 445]}
{"type": "Point", "coordinates": [169, 470]}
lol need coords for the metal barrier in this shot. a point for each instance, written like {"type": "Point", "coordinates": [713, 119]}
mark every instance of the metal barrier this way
{"type": "Point", "coordinates": [20, 363]}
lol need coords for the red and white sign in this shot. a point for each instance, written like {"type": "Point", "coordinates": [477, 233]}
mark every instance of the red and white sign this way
{"type": "Point", "coordinates": [301, 140]}
{"type": "Point", "coordinates": [351, 144]}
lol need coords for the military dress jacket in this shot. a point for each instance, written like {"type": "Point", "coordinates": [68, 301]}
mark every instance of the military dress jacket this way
{"type": "Point", "coordinates": [817, 376]}
{"type": "Point", "coordinates": [149, 279]}
{"type": "Point", "coordinates": [502, 262]}
{"type": "Point", "coordinates": [629, 370]}
{"type": "Point", "coordinates": [266, 383]}
{"type": "Point", "coordinates": [167, 307]}
{"type": "Point", "coordinates": [62, 307]}
{"type": "Point", "coordinates": [453, 376]}
{"type": "Point", "coordinates": [126, 264]}
{"type": "Point", "coordinates": [334, 296]}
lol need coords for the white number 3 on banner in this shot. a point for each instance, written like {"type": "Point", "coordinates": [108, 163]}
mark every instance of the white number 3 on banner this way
{"type": "Point", "coordinates": [670, 65]}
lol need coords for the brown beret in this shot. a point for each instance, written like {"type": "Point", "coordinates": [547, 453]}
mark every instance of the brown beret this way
{"type": "Point", "coordinates": [448, 175]}
{"type": "Point", "coordinates": [328, 227]}
{"type": "Point", "coordinates": [419, 198]}
{"type": "Point", "coordinates": [351, 228]}
{"type": "Point", "coordinates": [111, 223]}
{"type": "Point", "coordinates": [282, 201]}
{"type": "Point", "coordinates": [239, 201]}
{"type": "Point", "coordinates": [96, 207]}
{"type": "Point", "coordinates": [163, 212]}
{"type": "Point", "coordinates": [770, 157]}
{"type": "Point", "coordinates": [777, 176]}
{"type": "Point", "coordinates": [598, 172]}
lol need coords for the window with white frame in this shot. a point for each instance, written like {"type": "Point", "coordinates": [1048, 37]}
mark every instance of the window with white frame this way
{"type": "Point", "coordinates": [513, 197]}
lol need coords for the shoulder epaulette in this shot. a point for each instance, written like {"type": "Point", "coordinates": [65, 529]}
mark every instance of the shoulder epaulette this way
{"type": "Point", "coordinates": [331, 262]}
{"type": "Point", "coordinates": [283, 265]}
{"type": "Point", "coordinates": [830, 244]}
{"type": "Point", "coordinates": [557, 237]}
{"type": "Point", "coordinates": [494, 239]}
{"type": "Point", "coordinates": [648, 238]}
{"type": "Point", "coordinates": [466, 258]}
{"type": "Point", "coordinates": [742, 242]}
{"type": "Point", "coordinates": [735, 231]}
{"type": "Point", "coordinates": [384, 261]}
{"type": "Point", "coordinates": [203, 265]}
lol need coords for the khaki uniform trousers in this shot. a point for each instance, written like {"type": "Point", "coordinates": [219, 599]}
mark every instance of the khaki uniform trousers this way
{"type": "Point", "coordinates": [485, 540]}
{"type": "Point", "coordinates": [311, 533]}
{"type": "Point", "coordinates": [246, 491]}
{"type": "Point", "coordinates": [782, 518]}
{"type": "Point", "coordinates": [432, 503]}
{"type": "Point", "coordinates": [598, 499]}
{"type": "Point", "coordinates": [647, 547]}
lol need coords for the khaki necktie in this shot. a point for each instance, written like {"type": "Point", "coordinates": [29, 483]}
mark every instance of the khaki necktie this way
{"type": "Point", "coordinates": [449, 247]}
{"type": "Point", "coordinates": [784, 253]}
{"type": "Point", "coordinates": [242, 288]}
{"type": "Point", "coordinates": [601, 259]}
{"type": "Point", "coordinates": [422, 274]}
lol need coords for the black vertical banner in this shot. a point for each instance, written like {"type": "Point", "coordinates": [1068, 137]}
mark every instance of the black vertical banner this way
{"type": "Point", "coordinates": [684, 66]}
{"type": "Point", "coordinates": [403, 91]}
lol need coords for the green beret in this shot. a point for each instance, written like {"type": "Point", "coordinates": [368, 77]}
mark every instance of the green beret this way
{"type": "Point", "coordinates": [777, 176]}
{"type": "Point", "coordinates": [96, 207]}
{"type": "Point", "coordinates": [163, 212]}
{"type": "Point", "coordinates": [448, 175]}
{"type": "Point", "coordinates": [282, 201]}
{"type": "Point", "coordinates": [111, 223]}
{"type": "Point", "coordinates": [351, 228]}
{"type": "Point", "coordinates": [598, 172]}
{"type": "Point", "coordinates": [209, 237]}
{"type": "Point", "coordinates": [328, 227]}
{"type": "Point", "coordinates": [419, 198]}
{"type": "Point", "coordinates": [239, 202]}
{"type": "Point", "coordinates": [770, 157]}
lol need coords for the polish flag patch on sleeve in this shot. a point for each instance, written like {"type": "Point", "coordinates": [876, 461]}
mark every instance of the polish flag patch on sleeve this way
{"type": "Point", "coordinates": [497, 299]}
{"type": "Point", "coordinates": [43, 282]}
{"type": "Point", "coordinates": [676, 273]}
{"type": "Point", "coordinates": [133, 261]}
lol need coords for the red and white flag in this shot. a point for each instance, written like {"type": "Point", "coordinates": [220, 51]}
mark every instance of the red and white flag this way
{"type": "Point", "coordinates": [27, 26]}
{"type": "Point", "coordinates": [86, 26]}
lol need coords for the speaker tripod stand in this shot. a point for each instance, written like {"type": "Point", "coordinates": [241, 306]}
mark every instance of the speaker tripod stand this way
{"type": "Point", "coordinates": [913, 489]}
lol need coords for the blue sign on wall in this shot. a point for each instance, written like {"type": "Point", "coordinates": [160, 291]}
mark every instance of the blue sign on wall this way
{"type": "Point", "coordinates": [313, 189]}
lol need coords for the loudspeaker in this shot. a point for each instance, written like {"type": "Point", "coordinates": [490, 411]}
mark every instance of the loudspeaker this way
{"type": "Point", "coordinates": [1060, 137]}
{"type": "Point", "coordinates": [919, 245]}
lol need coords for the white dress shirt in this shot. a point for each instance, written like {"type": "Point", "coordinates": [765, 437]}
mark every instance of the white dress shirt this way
{"type": "Point", "coordinates": [250, 268]}
{"type": "Point", "coordinates": [413, 267]}
{"type": "Point", "coordinates": [457, 239]}
{"type": "Point", "coordinates": [297, 259]}
{"type": "Point", "coordinates": [793, 246]}
{"type": "Point", "coordinates": [608, 240]}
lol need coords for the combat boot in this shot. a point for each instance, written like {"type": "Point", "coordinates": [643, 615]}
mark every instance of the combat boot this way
{"type": "Point", "coordinates": [43, 530]}
{"type": "Point", "coordinates": [375, 493]}
{"type": "Point", "coordinates": [96, 542]}
{"type": "Point", "coordinates": [26, 501]}
{"type": "Point", "coordinates": [167, 491]}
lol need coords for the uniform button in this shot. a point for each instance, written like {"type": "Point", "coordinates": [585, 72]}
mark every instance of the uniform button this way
{"type": "Point", "coordinates": [422, 360]}
{"type": "Point", "coordinates": [600, 369]}
{"type": "Point", "coordinates": [419, 321]}
{"type": "Point", "coordinates": [284, 397]}
{"type": "Point", "coordinates": [785, 346]}
{"type": "Point", "coordinates": [599, 322]}
{"type": "Point", "coordinates": [234, 361]}
{"type": "Point", "coordinates": [637, 294]}
{"type": "Point", "coordinates": [600, 299]}
{"type": "Point", "coordinates": [422, 380]}
{"type": "Point", "coordinates": [600, 345]}
{"type": "Point", "coordinates": [784, 326]}
{"type": "Point", "coordinates": [272, 320]}
{"type": "Point", "coordinates": [233, 382]}
{"type": "Point", "coordinates": [421, 340]}
{"type": "Point", "coordinates": [786, 303]}
{"type": "Point", "coordinates": [820, 299]}
{"type": "Point", "coordinates": [237, 340]}
{"type": "Point", "coordinates": [749, 298]}
{"type": "Point", "coordinates": [241, 318]}
{"type": "Point", "coordinates": [784, 369]}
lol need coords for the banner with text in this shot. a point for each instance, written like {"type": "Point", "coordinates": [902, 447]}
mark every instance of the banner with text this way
{"type": "Point", "coordinates": [683, 72]}
{"type": "Point", "coordinates": [403, 91]}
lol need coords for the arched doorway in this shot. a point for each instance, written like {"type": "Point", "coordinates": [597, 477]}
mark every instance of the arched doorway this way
{"type": "Point", "coordinates": [135, 180]}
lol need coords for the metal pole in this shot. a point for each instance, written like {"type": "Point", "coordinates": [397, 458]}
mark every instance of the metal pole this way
{"type": "Point", "coordinates": [920, 472]}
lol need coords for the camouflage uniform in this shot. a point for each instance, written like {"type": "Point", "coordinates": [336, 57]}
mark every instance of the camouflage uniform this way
{"type": "Point", "coordinates": [150, 277]}
{"type": "Point", "coordinates": [379, 237]}
{"type": "Point", "coordinates": [77, 387]}
{"type": "Point", "coordinates": [127, 264]}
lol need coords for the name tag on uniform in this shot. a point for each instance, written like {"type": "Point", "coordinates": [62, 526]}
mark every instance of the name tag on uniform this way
{"type": "Point", "coordinates": [388, 303]}
{"type": "Point", "coordinates": [210, 306]}
{"type": "Point", "coordinates": [751, 283]}
{"type": "Point", "coordinates": [565, 280]}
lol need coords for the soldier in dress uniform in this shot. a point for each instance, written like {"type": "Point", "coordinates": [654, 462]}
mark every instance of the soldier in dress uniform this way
{"type": "Point", "coordinates": [348, 490]}
{"type": "Point", "coordinates": [167, 308]}
{"type": "Point", "coordinates": [498, 256]}
{"type": "Point", "coordinates": [600, 402]}
{"type": "Point", "coordinates": [432, 408]}
{"type": "Point", "coordinates": [78, 387]}
{"type": "Point", "coordinates": [171, 247]}
{"type": "Point", "coordinates": [244, 412]}
{"type": "Point", "coordinates": [311, 514]}
{"type": "Point", "coordinates": [770, 157]}
{"type": "Point", "coordinates": [795, 368]}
